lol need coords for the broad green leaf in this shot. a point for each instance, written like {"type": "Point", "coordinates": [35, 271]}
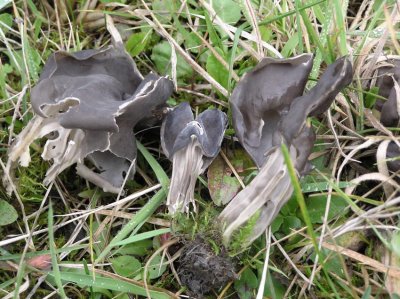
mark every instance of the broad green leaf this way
{"type": "Point", "coordinates": [163, 9]}
{"type": "Point", "coordinates": [161, 57]}
{"type": "Point", "coordinates": [6, 21]}
{"type": "Point", "coordinates": [154, 270]}
{"type": "Point", "coordinates": [246, 285]}
{"type": "Point", "coordinates": [222, 184]}
{"type": "Point", "coordinates": [216, 69]}
{"type": "Point", "coordinates": [228, 10]}
{"type": "Point", "coordinates": [331, 263]}
{"type": "Point", "coordinates": [7, 213]}
{"type": "Point", "coordinates": [266, 33]}
{"type": "Point", "coordinates": [290, 223]}
{"type": "Point", "coordinates": [137, 42]}
{"type": "Point", "coordinates": [193, 42]}
{"type": "Point", "coordinates": [120, 295]}
{"type": "Point", "coordinates": [274, 288]}
{"type": "Point", "coordinates": [290, 207]}
{"type": "Point", "coordinates": [101, 292]}
{"type": "Point", "coordinates": [276, 224]}
{"type": "Point", "coordinates": [316, 207]}
{"type": "Point", "coordinates": [126, 265]}
{"type": "Point", "coordinates": [140, 248]}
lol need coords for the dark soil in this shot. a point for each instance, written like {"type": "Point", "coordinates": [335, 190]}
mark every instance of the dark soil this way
{"type": "Point", "coordinates": [201, 270]}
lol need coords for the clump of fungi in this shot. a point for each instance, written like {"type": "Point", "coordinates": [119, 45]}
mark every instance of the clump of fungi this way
{"type": "Point", "coordinates": [87, 104]}
{"type": "Point", "coordinates": [268, 109]}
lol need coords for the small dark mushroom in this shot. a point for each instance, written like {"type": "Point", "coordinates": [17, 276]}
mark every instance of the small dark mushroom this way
{"type": "Point", "coordinates": [191, 144]}
{"type": "Point", "coordinates": [268, 108]}
{"type": "Point", "coordinates": [92, 100]}
{"type": "Point", "coordinates": [393, 157]}
{"type": "Point", "coordinates": [387, 80]}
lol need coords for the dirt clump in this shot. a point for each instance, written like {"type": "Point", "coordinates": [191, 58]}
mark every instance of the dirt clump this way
{"type": "Point", "coordinates": [202, 270]}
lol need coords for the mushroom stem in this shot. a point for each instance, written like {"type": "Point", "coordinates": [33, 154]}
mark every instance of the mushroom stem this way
{"type": "Point", "coordinates": [265, 195]}
{"type": "Point", "coordinates": [96, 179]}
{"type": "Point", "coordinates": [187, 165]}
{"type": "Point", "coordinates": [64, 151]}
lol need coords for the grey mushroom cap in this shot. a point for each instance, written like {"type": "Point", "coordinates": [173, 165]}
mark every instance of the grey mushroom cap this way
{"type": "Point", "coordinates": [386, 77]}
{"type": "Point", "coordinates": [268, 106]}
{"type": "Point", "coordinates": [179, 126]}
{"type": "Point", "coordinates": [102, 93]}
{"type": "Point", "coordinates": [191, 144]}
{"type": "Point", "coordinates": [337, 76]}
{"type": "Point", "coordinates": [386, 83]}
{"type": "Point", "coordinates": [261, 97]}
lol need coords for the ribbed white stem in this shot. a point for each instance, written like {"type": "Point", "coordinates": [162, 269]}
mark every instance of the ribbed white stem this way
{"type": "Point", "coordinates": [266, 194]}
{"type": "Point", "coordinates": [187, 165]}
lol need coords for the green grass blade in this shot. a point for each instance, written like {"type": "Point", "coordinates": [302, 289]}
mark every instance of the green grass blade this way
{"type": "Point", "coordinates": [143, 236]}
{"type": "Point", "coordinates": [158, 170]}
{"type": "Point", "coordinates": [233, 54]}
{"type": "Point", "coordinates": [299, 196]}
{"type": "Point", "coordinates": [17, 257]}
{"type": "Point", "coordinates": [115, 285]}
{"type": "Point", "coordinates": [6, 284]}
{"type": "Point", "coordinates": [341, 27]}
{"type": "Point", "coordinates": [138, 219]}
{"type": "Point", "coordinates": [289, 13]}
{"type": "Point", "coordinates": [54, 262]}
{"type": "Point", "coordinates": [299, 30]}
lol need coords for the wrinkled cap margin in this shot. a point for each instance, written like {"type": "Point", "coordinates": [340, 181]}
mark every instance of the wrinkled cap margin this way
{"type": "Point", "coordinates": [260, 98]}
{"type": "Point", "coordinates": [102, 93]}
{"type": "Point", "coordinates": [337, 76]}
{"type": "Point", "coordinates": [268, 105]}
{"type": "Point", "coordinates": [179, 126]}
